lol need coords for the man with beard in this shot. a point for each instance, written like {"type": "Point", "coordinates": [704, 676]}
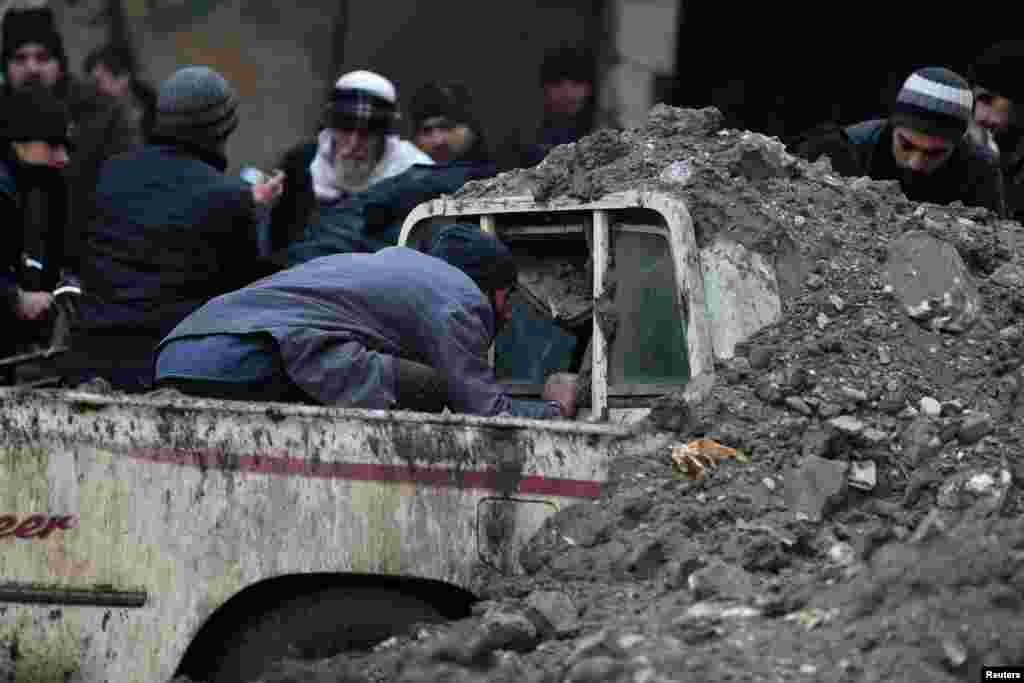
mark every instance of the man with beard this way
{"type": "Point", "coordinates": [362, 179]}
{"type": "Point", "coordinates": [395, 329]}
{"type": "Point", "coordinates": [34, 139]}
{"type": "Point", "coordinates": [357, 148]}
{"type": "Point", "coordinates": [998, 80]}
{"type": "Point", "coordinates": [923, 144]}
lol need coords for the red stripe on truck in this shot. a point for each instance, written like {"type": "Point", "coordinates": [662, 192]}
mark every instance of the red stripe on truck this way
{"type": "Point", "coordinates": [486, 479]}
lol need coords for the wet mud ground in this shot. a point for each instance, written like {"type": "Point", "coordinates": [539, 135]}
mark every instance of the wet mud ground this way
{"type": "Point", "coordinates": [869, 526]}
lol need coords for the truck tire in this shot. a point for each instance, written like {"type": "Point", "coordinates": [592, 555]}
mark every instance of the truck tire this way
{"type": "Point", "coordinates": [317, 626]}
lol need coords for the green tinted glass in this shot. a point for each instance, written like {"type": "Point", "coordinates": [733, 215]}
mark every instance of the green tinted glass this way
{"type": "Point", "coordinates": [650, 344]}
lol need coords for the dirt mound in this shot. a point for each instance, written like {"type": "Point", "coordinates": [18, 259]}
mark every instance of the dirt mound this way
{"type": "Point", "coordinates": [868, 528]}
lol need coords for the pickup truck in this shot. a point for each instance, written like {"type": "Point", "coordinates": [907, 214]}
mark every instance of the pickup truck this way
{"type": "Point", "coordinates": [148, 536]}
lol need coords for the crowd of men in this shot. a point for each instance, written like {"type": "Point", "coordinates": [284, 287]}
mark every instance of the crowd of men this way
{"type": "Point", "coordinates": [120, 217]}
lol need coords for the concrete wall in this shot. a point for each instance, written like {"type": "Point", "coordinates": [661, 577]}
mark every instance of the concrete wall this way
{"type": "Point", "coordinates": [495, 48]}
{"type": "Point", "coordinates": [644, 34]}
{"type": "Point", "coordinates": [277, 56]}
{"type": "Point", "coordinates": [283, 58]}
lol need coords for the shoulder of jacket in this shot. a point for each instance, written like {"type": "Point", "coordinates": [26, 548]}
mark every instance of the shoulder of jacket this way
{"type": "Point", "coordinates": [866, 132]}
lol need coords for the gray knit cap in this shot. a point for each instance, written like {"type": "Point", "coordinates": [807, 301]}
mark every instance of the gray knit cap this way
{"type": "Point", "coordinates": [196, 105]}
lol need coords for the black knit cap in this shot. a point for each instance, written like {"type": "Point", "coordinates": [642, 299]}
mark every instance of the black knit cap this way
{"type": "Point", "coordinates": [450, 100]}
{"type": "Point", "coordinates": [570, 64]}
{"type": "Point", "coordinates": [196, 105]}
{"type": "Point", "coordinates": [1000, 69]}
{"type": "Point", "coordinates": [32, 25]}
{"type": "Point", "coordinates": [935, 101]}
{"type": "Point", "coordinates": [480, 255]}
{"type": "Point", "coordinates": [34, 114]}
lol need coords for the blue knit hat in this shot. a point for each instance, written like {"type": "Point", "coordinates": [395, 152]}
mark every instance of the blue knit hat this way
{"type": "Point", "coordinates": [935, 101]}
{"type": "Point", "coordinates": [480, 255]}
{"type": "Point", "coordinates": [196, 105]}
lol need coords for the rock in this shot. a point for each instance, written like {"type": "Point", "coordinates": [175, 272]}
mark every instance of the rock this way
{"type": "Point", "coordinates": [974, 427]}
{"type": "Point", "coordinates": [721, 580]}
{"type": "Point", "coordinates": [644, 561]}
{"type": "Point", "coordinates": [596, 670]}
{"type": "Point", "coordinates": [874, 437]}
{"type": "Point", "coordinates": [855, 395]}
{"type": "Point", "coordinates": [761, 356]}
{"type": "Point", "coordinates": [757, 157]}
{"type": "Point", "coordinates": [817, 441]}
{"type": "Point", "coordinates": [920, 441]}
{"type": "Point", "coordinates": [681, 411]}
{"type": "Point", "coordinates": [558, 610]}
{"type": "Point", "coordinates": [1009, 275]}
{"type": "Point", "coordinates": [930, 407]}
{"type": "Point", "coordinates": [799, 405]}
{"type": "Point", "coordinates": [932, 282]}
{"type": "Point", "coordinates": [829, 410]}
{"type": "Point", "coordinates": [509, 630]}
{"type": "Point", "coordinates": [816, 487]}
{"type": "Point", "coordinates": [982, 490]}
{"type": "Point", "coordinates": [863, 475]}
{"type": "Point", "coordinates": [845, 424]}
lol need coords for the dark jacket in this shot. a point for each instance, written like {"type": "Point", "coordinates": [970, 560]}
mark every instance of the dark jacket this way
{"type": "Point", "coordinates": [103, 128]}
{"type": "Point", "coordinates": [171, 232]}
{"type": "Point", "coordinates": [291, 214]}
{"type": "Point", "coordinates": [1012, 163]}
{"type": "Point", "coordinates": [373, 219]}
{"type": "Point", "coordinates": [865, 149]}
{"type": "Point", "coordinates": [33, 206]}
{"type": "Point", "coordinates": [397, 302]}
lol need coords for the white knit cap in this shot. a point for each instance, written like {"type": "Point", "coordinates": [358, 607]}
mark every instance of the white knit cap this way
{"type": "Point", "coordinates": [369, 82]}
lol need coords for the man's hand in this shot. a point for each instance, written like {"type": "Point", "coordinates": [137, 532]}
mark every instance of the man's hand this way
{"type": "Point", "coordinates": [33, 305]}
{"type": "Point", "coordinates": [561, 388]}
{"type": "Point", "coordinates": [264, 193]}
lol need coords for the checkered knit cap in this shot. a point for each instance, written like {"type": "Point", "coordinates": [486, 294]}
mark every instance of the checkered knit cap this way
{"type": "Point", "coordinates": [198, 106]}
{"type": "Point", "coordinates": [935, 101]}
{"type": "Point", "coordinates": [363, 100]}
{"type": "Point", "coordinates": [480, 255]}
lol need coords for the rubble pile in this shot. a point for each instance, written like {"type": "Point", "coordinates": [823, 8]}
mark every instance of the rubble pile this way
{"type": "Point", "coordinates": [871, 530]}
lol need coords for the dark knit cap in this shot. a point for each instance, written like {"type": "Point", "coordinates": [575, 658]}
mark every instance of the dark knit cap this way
{"type": "Point", "coordinates": [480, 255]}
{"type": "Point", "coordinates": [32, 25]}
{"type": "Point", "coordinates": [34, 114]}
{"type": "Point", "coordinates": [1000, 69]}
{"type": "Point", "coordinates": [569, 64]}
{"type": "Point", "coordinates": [935, 101]}
{"type": "Point", "coordinates": [450, 100]}
{"type": "Point", "coordinates": [196, 105]}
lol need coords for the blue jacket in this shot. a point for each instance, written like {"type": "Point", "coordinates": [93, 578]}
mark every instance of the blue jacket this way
{"type": "Point", "coordinates": [171, 232]}
{"type": "Point", "coordinates": [372, 220]}
{"type": "Point", "coordinates": [397, 302]}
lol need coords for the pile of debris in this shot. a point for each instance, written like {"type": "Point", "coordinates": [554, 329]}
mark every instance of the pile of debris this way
{"type": "Point", "coordinates": [870, 529]}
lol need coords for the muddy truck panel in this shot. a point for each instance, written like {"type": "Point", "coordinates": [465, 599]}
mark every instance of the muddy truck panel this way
{"type": "Point", "coordinates": [125, 523]}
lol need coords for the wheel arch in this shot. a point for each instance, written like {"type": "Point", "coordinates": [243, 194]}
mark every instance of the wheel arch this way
{"type": "Point", "coordinates": [450, 600]}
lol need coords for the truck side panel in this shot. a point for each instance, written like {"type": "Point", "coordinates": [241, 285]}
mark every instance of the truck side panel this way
{"type": "Point", "coordinates": [189, 502]}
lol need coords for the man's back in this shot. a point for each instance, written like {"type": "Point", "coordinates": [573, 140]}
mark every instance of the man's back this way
{"type": "Point", "coordinates": [397, 303]}
{"type": "Point", "coordinates": [171, 231]}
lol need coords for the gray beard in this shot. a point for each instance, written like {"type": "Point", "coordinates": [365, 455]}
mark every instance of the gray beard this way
{"type": "Point", "coordinates": [353, 175]}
